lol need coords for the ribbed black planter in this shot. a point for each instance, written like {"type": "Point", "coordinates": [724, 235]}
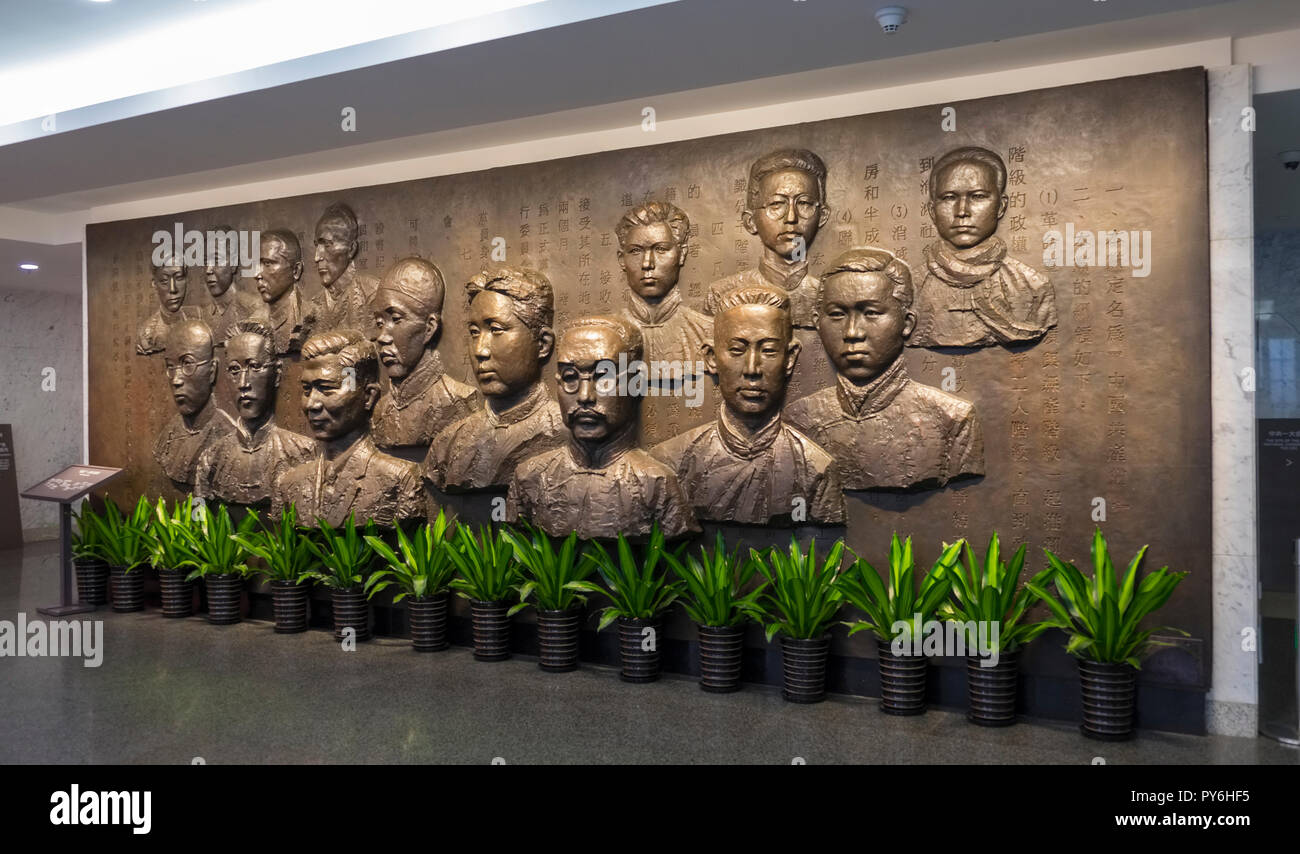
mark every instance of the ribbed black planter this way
{"type": "Point", "coordinates": [803, 665]}
{"type": "Point", "coordinates": [428, 619]}
{"type": "Point", "coordinates": [1109, 700]}
{"type": "Point", "coordinates": [639, 663]}
{"type": "Point", "coordinates": [224, 592]}
{"type": "Point", "coordinates": [92, 580]}
{"type": "Point", "coordinates": [721, 651]}
{"type": "Point", "coordinates": [177, 593]}
{"type": "Point", "coordinates": [351, 611]}
{"type": "Point", "coordinates": [902, 681]}
{"type": "Point", "coordinates": [491, 625]}
{"type": "Point", "coordinates": [992, 690]}
{"type": "Point", "coordinates": [557, 639]}
{"type": "Point", "coordinates": [127, 589]}
{"type": "Point", "coordinates": [289, 604]}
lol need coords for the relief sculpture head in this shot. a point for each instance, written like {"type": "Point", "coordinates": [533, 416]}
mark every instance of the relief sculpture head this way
{"type": "Point", "coordinates": [408, 314]}
{"type": "Point", "coordinates": [865, 312]}
{"type": "Point", "coordinates": [510, 336]}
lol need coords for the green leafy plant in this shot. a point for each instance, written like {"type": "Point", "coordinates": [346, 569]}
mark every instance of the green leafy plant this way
{"type": "Point", "coordinates": [213, 547]}
{"type": "Point", "coordinates": [548, 572]}
{"type": "Point", "coordinates": [803, 596]}
{"type": "Point", "coordinates": [85, 537]}
{"type": "Point", "coordinates": [714, 583]}
{"type": "Point", "coordinates": [284, 549]}
{"type": "Point", "coordinates": [343, 554]}
{"type": "Point", "coordinates": [986, 592]}
{"type": "Point", "coordinates": [636, 589]}
{"type": "Point", "coordinates": [486, 565]}
{"type": "Point", "coordinates": [423, 569]}
{"type": "Point", "coordinates": [1101, 614]}
{"type": "Point", "coordinates": [123, 540]}
{"type": "Point", "coordinates": [169, 534]}
{"type": "Point", "coordinates": [905, 599]}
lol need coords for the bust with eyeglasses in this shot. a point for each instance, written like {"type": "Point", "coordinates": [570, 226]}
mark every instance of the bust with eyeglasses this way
{"type": "Point", "coordinates": [241, 466]}
{"type": "Point", "coordinates": [191, 370]}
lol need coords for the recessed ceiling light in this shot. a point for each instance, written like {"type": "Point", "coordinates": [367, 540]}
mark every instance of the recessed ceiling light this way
{"type": "Point", "coordinates": [28, 265]}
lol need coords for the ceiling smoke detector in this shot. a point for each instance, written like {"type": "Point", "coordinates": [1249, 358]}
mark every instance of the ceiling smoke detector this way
{"type": "Point", "coordinates": [891, 18]}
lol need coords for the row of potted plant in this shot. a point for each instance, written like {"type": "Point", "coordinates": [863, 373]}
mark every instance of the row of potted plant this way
{"type": "Point", "coordinates": [794, 593]}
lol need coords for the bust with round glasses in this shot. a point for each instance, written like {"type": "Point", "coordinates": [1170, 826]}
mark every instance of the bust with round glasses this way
{"type": "Point", "coordinates": [191, 371]}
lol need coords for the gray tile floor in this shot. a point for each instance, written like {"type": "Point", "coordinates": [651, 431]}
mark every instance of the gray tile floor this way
{"type": "Point", "coordinates": [172, 690]}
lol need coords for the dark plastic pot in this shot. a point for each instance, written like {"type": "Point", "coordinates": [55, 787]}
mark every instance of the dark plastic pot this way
{"type": "Point", "coordinates": [127, 588]}
{"type": "Point", "coordinates": [92, 580]}
{"type": "Point", "coordinates": [639, 664]}
{"type": "Point", "coordinates": [557, 639]}
{"type": "Point", "coordinates": [992, 690]}
{"type": "Point", "coordinates": [1109, 700]}
{"type": "Point", "coordinates": [902, 681]}
{"type": "Point", "coordinates": [351, 611]}
{"type": "Point", "coordinates": [289, 604]}
{"type": "Point", "coordinates": [177, 593]}
{"type": "Point", "coordinates": [721, 651]}
{"type": "Point", "coordinates": [224, 593]}
{"type": "Point", "coordinates": [491, 625]}
{"type": "Point", "coordinates": [428, 619]}
{"type": "Point", "coordinates": [803, 662]}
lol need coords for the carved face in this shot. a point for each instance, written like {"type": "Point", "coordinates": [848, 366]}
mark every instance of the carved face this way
{"type": "Point", "coordinates": [790, 212]}
{"type": "Point", "coordinates": [190, 369]}
{"type": "Point", "coordinates": [753, 356]}
{"type": "Point", "coordinates": [277, 272]}
{"type": "Point", "coordinates": [403, 332]}
{"type": "Point", "coordinates": [334, 250]}
{"type": "Point", "coordinates": [507, 355]}
{"type": "Point", "coordinates": [652, 259]}
{"type": "Point", "coordinates": [219, 279]}
{"type": "Point", "coordinates": [967, 204]}
{"type": "Point", "coordinates": [254, 372]}
{"type": "Point", "coordinates": [580, 358]}
{"type": "Point", "coordinates": [335, 402]}
{"type": "Point", "coordinates": [170, 284]}
{"type": "Point", "coordinates": [863, 326]}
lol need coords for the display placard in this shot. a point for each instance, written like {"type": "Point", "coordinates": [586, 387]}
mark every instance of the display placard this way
{"type": "Point", "coordinates": [71, 484]}
{"type": "Point", "coordinates": [11, 523]}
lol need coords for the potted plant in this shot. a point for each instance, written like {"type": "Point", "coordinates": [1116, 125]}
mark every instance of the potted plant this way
{"type": "Point", "coordinates": [422, 574]}
{"type": "Point", "coordinates": [220, 560]}
{"type": "Point", "coordinates": [639, 592]}
{"type": "Point", "coordinates": [487, 575]}
{"type": "Point", "coordinates": [713, 596]}
{"type": "Point", "coordinates": [169, 550]}
{"type": "Point", "coordinates": [286, 562]}
{"type": "Point", "coordinates": [547, 574]}
{"type": "Point", "coordinates": [986, 594]}
{"type": "Point", "coordinates": [123, 543]}
{"type": "Point", "coordinates": [896, 614]}
{"type": "Point", "coordinates": [1100, 616]}
{"type": "Point", "coordinates": [800, 604]}
{"type": "Point", "coordinates": [344, 555]}
{"type": "Point", "coordinates": [89, 563]}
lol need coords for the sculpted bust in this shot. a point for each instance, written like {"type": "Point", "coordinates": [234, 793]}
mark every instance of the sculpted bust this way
{"type": "Point", "coordinates": [198, 423]}
{"type": "Point", "coordinates": [785, 206]}
{"type": "Point", "coordinates": [348, 474]}
{"type": "Point", "coordinates": [420, 399]}
{"type": "Point", "coordinates": [344, 302]}
{"type": "Point", "coordinates": [884, 430]}
{"type": "Point", "coordinates": [170, 284]}
{"type": "Point", "coordinates": [974, 294]}
{"type": "Point", "coordinates": [510, 339]}
{"type": "Point", "coordinates": [599, 483]}
{"type": "Point", "coordinates": [652, 250]}
{"type": "Point", "coordinates": [278, 273]}
{"type": "Point", "coordinates": [750, 466]}
{"type": "Point", "coordinates": [241, 465]}
{"type": "Point", "coordinates": [229, 304]}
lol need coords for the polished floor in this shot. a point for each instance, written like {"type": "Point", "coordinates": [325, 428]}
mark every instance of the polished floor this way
{"type": "Point", "coordinates": [180, 691]}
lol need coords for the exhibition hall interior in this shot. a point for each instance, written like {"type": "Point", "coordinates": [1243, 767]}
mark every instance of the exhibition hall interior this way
{"type": "Point", "coordinates": [649, 382]}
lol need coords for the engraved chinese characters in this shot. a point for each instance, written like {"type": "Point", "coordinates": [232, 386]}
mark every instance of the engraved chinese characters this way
{"type": "Point", "coordinates": [191, 371]}
{"type": "Point", "coordinates": [884, 430]}
{"type": "Point", "coordinates": [973, 294]}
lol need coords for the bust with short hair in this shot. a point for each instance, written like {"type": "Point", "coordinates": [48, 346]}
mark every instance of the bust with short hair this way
{"type": "Point", "coordinates": [348, 475]}
{"type": "Point", "coordinates": [191, 369]}
{"type": "Point", "coordinates": [974, 294]}
{"type": "Point", "coordinates": [241, 466]}
{"type": "Point", "coordinates": [420, 399]}
{"type": "Point", "coordinates": [170, 284]}
{"type": "Point", "coordinates": [652, 250]}
{"type": "Point", "coordinates": [599, 483]}
{"type": "Point", "coordinates": [884, 430]}
{"type": "Point", "coordinates": [279, 271]}
{"type": "Point", "coordinates": [749, 466]}
{"type": "Point", "coordinates": [511, 310]}
{"type": "Point", "coordinates": [785, 207]}
{"type": "Point", "coordinates": [344, 301]}
{"type": "Point", "coordinates": [229, 303]}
